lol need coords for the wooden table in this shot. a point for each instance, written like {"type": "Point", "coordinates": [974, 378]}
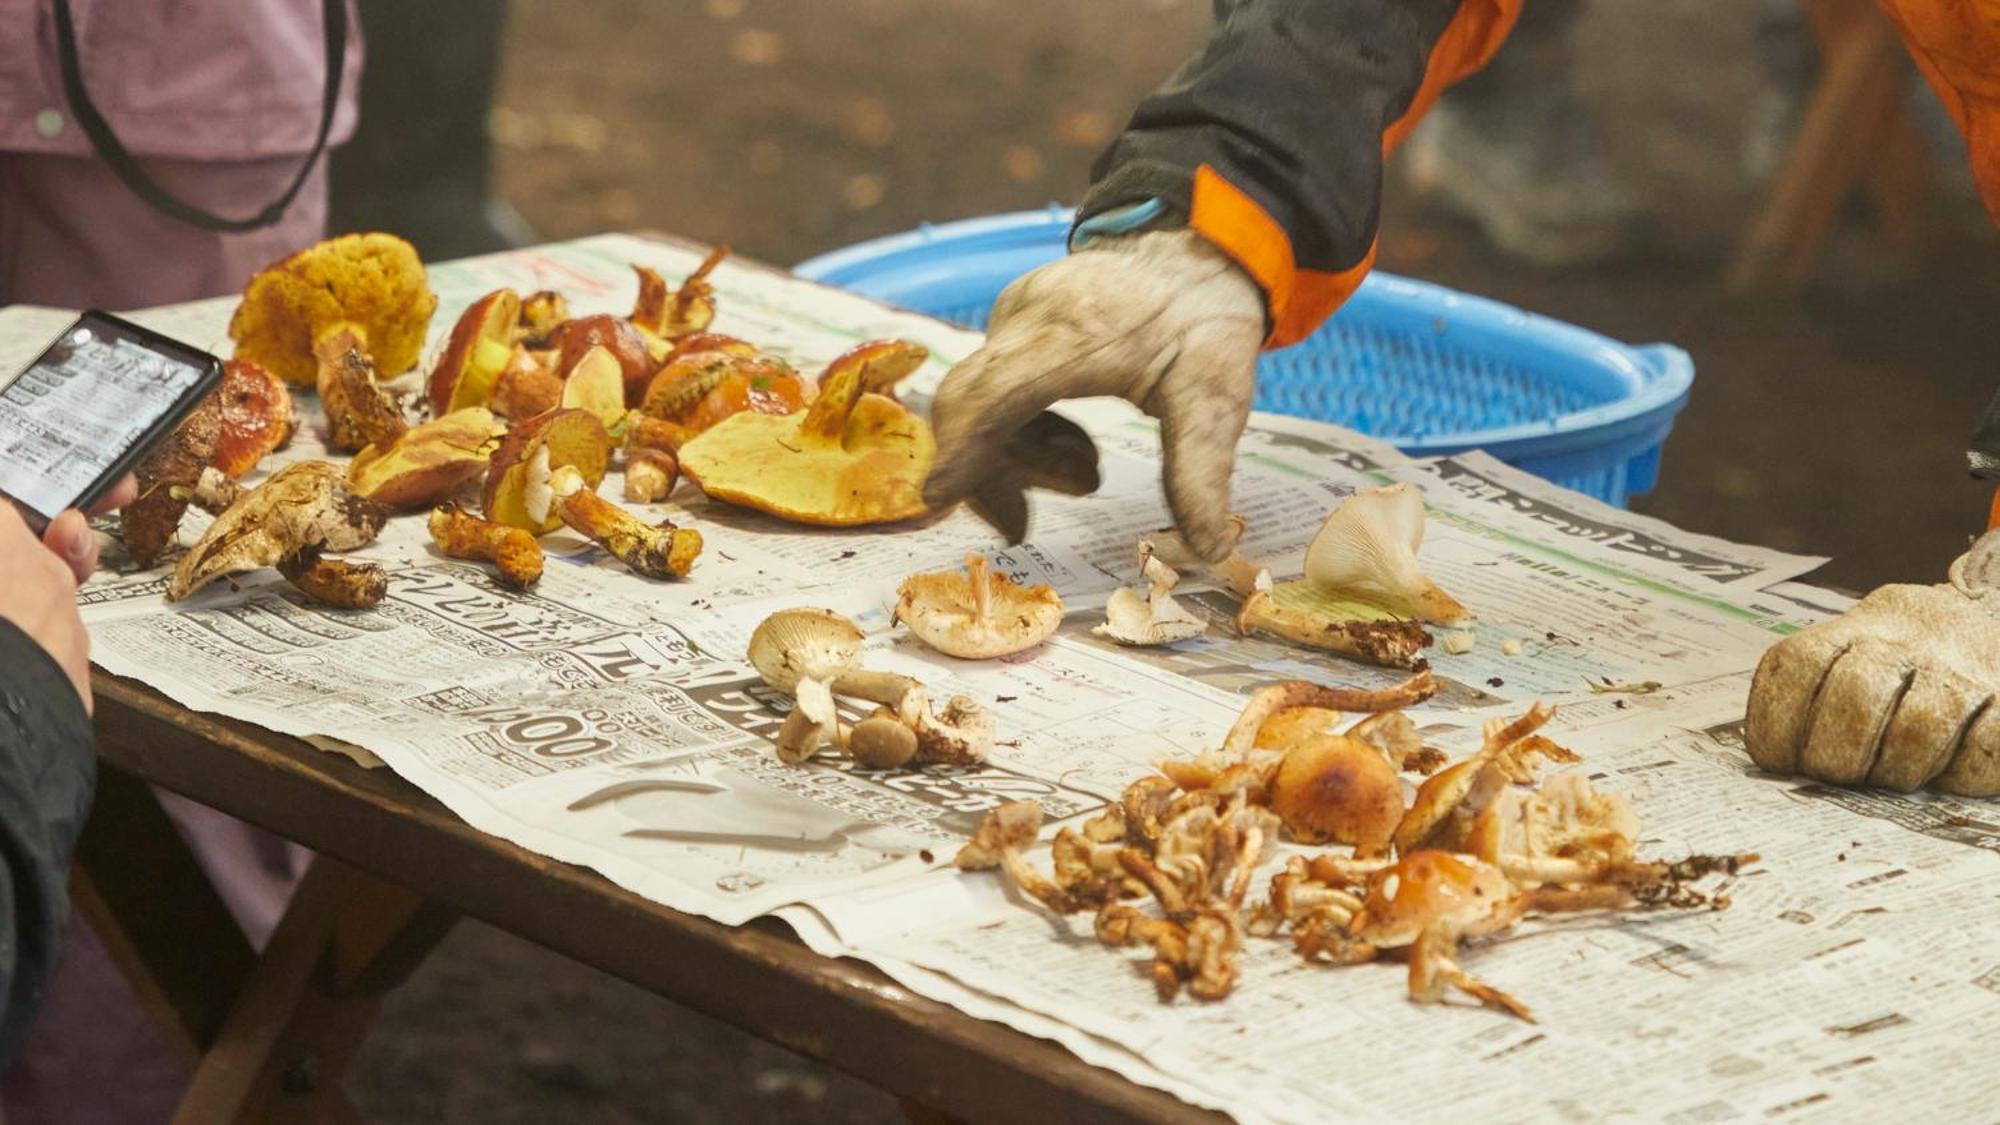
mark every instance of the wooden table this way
{"type": "Point", "coordinates": [270, 1036]}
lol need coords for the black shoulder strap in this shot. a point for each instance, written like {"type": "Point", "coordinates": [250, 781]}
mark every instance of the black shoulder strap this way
{"type": "Point", "coordinates": [106, 142]}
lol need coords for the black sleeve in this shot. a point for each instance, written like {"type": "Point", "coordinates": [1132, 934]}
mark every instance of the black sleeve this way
{"type": "Point", "coordinates": [48, 769]}
{"type": "Point", "coordinates": [1288, 101]}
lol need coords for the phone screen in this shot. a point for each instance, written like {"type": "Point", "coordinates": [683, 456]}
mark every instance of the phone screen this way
{"type": "Point", "coordinates": [85, 407]}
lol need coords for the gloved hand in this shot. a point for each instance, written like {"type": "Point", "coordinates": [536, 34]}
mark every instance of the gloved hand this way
{"type": "Point", "coordinates": [1901, 691]}
{"type": "Point", "coordinates": [1162, 319]}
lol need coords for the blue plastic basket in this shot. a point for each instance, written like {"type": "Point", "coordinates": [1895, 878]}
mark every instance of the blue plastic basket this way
{"type": "Point", "coordinates": [1428, 369]}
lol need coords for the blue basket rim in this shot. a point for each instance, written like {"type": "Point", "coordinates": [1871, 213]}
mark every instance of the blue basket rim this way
{"type": "Point", "coordinates": [1665, 373]}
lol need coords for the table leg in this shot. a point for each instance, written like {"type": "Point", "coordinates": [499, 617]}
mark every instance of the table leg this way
{"type": "Point", "coordinates": [295, 1025]}
{"type": "Point", "coordinates": [169, 933]}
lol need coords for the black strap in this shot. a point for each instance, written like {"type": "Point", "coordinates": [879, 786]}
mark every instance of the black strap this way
{"type": "Point", "coordinates": [108, 147]}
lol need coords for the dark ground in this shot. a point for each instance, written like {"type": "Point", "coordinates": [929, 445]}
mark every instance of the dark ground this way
{"type": "Point", "coordinates": [1831, 423]}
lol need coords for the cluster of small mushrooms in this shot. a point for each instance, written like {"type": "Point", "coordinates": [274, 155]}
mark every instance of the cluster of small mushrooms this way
{"type": "Point", "coordinates": [1481, 845]}
{"type": "Point", "coordinates": [527, 406]}
{"type": "Point", "coordinates": [814, 656]}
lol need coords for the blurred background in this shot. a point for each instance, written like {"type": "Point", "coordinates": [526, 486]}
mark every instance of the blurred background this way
{"type": "Point", "coordinates": [1606, 175]}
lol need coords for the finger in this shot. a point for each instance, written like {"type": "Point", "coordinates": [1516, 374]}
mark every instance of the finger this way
{"type": "Point", "coordinates": [1781, 696]}
{"type": "Point", "coordinates": [1852, 710]}
{"type": "Point", "coordinates": [1925, 731]}
{"type": "Point", "coordinates": [1001, 503]}
{"type": "Point", "coordinates": [70, 537]}
{"type": "Point", "coordinates": [121, 494]}
{"type": "Point", "coordinates": [1205, 405]}
{"type": "Point", "coordinates": [999, 389]}
{"type": "Point", "coordinates": [1975, 770]}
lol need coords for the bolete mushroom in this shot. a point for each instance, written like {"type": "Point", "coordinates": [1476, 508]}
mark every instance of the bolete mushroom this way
{"type": "Point", "coordinates": [653, 550]}
{"type": "Point", "coordinates": [574, 339]}
{"type": "Point", "coordinates": [304, 506]}
{"type": "Point", "coordinates": [371, 282]}
{"type": "Point", "coordinates": [168, 477]}
{"type": "Point", "coordinates": [596, 384]}
{"type": "Point", "coordinates": [852, 457]}
{"type": "Point", "coordinates": [979, 613]}
{"type": "Point", "coordinates": [671, 314]}
{"type": "Point", "coordinates": [518, 492]}
{"type": "Point", "coordinates": [1367, 551]}
{"type": "Point", "coordinates": [429, 461]}
{"type": "Point", "coordinates": [1154, 618]}
{"type": "Point", "coordinates": [699, 389]}
{"type": "Point", "coordinates": [256, 417]}
{"type": "Point", "coordinates": [359, 412]}
{"type": "Point", "coordinates": [879, 365]}
{"type": "Point", "coordinates": [480, 348]}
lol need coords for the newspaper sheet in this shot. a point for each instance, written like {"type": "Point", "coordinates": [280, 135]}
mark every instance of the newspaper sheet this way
{"type": "Point", "coordinates": [613, 722]}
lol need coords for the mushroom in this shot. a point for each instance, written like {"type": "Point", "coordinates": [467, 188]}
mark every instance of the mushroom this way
{"type": "Point", "coordinates": [169, 476]}
{"type": "Point", "coordinates": [428, 462]}
{"type": "Point", "coordinates": [596, 385]}
{"type": "Point", "coordinates": [303, 506]}
{"type": "Point", "coordinates": [795, 646]}
{"type": "Point", "coordinates": [373, 283]}
{"type": "Point", "coordinates": [1563, 818]}
{"type": "Point", "coordinates": [795, 643]}
{"type": "Point", "coordinates": [1273, 698]}
{"type": "Point", "coordinates": [979, 614]}
{"type": "Point", "coordinates": [359, 412]}
{"type": "Point", "coordinates": [574, 339]}
{"type": "Point", "coordinates": [1448, 802]}
{"type": "Point", "coordinates": [698, 389]}
{"type": "Point", "coordinates": [256, 417]}
{"type": "Point", "coordinates": [671, 314]}
{"type": "Point", "coordinates": [1304, 614]}
{"type": "Point", "coordinates": [517, 491]}
{"type": "Point", "coordinates": [1336, 789]}
{"type": "Point", "coordinates": [881, 741]}
{"type": "Point", "coordinates": [1367, 550]}
{"type": "Point", "coordinates": [1395, 735]}
{"type": "Point", "coordinates": [852, 457]}
{"type": "Point", "coordinates": [480, 348]}
{"type": "Point", "coordinates": [813, 723]}
{"type": "Point", "coordinates": [1154, 619]}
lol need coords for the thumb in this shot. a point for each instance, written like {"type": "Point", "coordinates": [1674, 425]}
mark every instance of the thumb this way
{"type": "Point", "coordinates": [70, 537]}
{"type": "Point", "coordinates": [999, 389]}
{"type": "Point", "coordinates": [1203, 405]}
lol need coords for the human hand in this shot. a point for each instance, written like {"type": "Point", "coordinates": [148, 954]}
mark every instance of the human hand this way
{"type": "Point", "coordinates": [1163, 320]}
{"type": "Point", "coordinates": [1898, 692]}
{"type": "Point", "coordinates": [69, 534]}
{"type": "Point", "coordinates": [39, 596]}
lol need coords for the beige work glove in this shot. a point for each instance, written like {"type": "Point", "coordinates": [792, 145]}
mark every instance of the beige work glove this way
{"type": "Point", "coordinates": [1898, 692]}
{"type": "Point", "coordinates": [1161, 319]}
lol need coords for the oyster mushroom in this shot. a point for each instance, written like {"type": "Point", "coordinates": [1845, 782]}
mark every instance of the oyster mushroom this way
{"type": "Point", "coordinates": [1154, 618]}
{"type": "Point", "coordinates": [979, 614]}
{"type": "Point", "coordinates": [1367, 550]}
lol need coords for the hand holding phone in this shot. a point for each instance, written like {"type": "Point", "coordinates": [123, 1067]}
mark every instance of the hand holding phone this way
{"type": "Point", "coordinates": [73, 425]}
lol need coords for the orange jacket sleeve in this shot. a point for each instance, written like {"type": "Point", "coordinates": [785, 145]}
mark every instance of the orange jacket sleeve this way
{"type": "Point", "coordinates": [1270, 141]}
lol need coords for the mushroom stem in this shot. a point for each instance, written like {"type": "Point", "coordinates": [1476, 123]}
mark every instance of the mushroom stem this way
{"type": "Point", "coordinates": [982, 593]}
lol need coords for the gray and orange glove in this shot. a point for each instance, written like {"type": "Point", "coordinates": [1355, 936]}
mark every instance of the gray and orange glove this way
{"type": "Point", "coordinates": [1902, 691]}
{"type": "Point", "coordinates": [1237, 210]}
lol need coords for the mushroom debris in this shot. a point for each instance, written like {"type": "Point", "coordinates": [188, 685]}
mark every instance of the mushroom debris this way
{"type": "Point", "coordinates": [978, 613]}
{"type": "Point", "coordinates": [814, 656]}
{"type": "Point", "coordinates": [1152, 618]}
{"type": "Point", "coordinates": [1169, 865]}
{"type": "Point", "coordinates": [1307, 614]}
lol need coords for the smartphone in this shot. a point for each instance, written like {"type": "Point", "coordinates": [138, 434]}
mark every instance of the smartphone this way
{"type": "Point", "coordinates": [81, 416]}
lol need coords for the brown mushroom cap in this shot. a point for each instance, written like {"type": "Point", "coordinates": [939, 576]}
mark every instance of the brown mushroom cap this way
{"type": "Point", "coordinates": [978, 613]}
{"type": "Point", "coordinates": [881, 741]}
{"type": "Point", "coordinates": [466, 372]}
{"type": "Point", "coordinates": [1334, 789]}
